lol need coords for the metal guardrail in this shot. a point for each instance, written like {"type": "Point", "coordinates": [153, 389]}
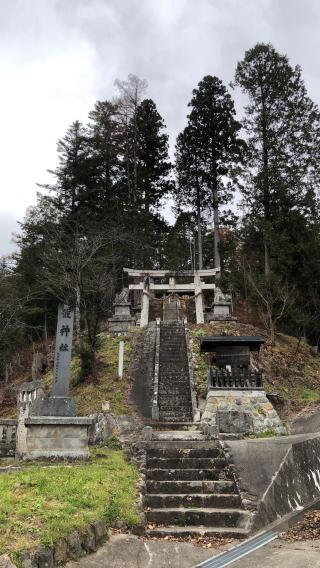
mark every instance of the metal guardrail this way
{"type": "Point", "coordinates": [226, 558]}
{"type": "Point", "coordinates": [244, 379]}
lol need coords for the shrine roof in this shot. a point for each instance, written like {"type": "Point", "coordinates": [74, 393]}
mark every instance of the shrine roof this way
{"type": "Point", "coordinates": [209, 344]}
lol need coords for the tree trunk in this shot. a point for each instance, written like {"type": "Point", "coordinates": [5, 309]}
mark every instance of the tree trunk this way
{"type": "Point", "coordinates": [217, 260]}
{"type": "Point", "coordinates": [266, 259]}
{"type": "Point", "coordinates": [200, 260]}
{"type": "Point", "coordinates": [266, 189]}
{"type": "Point", "coordinates": [77, 318]}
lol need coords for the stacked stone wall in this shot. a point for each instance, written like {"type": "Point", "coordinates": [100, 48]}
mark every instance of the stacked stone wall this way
{"type": "Point", "coordinates": [241, 412]}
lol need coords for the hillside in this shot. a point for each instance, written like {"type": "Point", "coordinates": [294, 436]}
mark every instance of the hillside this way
{"type": "Point", "coordinates": [89, 395]}
{"type": "Point", "coordinates": [291, 371]}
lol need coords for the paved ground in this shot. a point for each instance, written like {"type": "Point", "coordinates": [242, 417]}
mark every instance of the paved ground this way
{"type": "Point", "coordinates": [127, 551]}
{"type": "Point", "coordinates": [282, 554]}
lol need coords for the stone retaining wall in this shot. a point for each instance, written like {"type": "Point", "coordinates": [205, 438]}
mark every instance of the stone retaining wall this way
{"type": "Point", "coordinates": [276, 476]}
{"type": "Point", "coordinates": [8, 430]}
{"type": "Point", "coordinates": [241, 412]}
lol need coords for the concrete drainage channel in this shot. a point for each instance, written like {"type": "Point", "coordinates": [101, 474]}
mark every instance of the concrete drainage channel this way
{"type": "Point", "coordinates": [239, 551]}
{"type": "Point", "coordinates": [255, 542]}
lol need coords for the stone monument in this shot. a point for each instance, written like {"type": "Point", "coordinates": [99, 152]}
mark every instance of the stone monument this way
{"type": "Point", "coordinates": [122, 319]}
{"type": "Point", "coordinates": [222, 307]}
{"type": "Point", "coordinates": [47, 426]}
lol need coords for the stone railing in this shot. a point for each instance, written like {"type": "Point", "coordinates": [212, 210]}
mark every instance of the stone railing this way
{"type": "Point", "coordinates": [241, 379]}
{"type": "Point", "coordinates": [155, 402]}
{"type": "Point", "coordinates": [195, 409]}
{"type": "Point", "coordinates": [7, 437]}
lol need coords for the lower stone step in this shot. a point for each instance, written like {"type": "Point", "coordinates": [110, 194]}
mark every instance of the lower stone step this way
{"type": "Point", "coordinates": [182, 487]}
{"type": "Point", "coordinates": [200, 530]}
{"type": "Point", "coordinates": [202, 500]}
{"type": "Point", "coordinates": [187, 474]}
{"type": "Point", "coordinates": [176, 416]}
{"type": "Point", "coordinates": [175, 425]}
{"type": "Point", "coordinates": [177, 435]}
{"type": "Point", "coordinates": [198, 516]}
{"type": "Point", "coordinates": [176, 452]}
{"type": "Point", "coordinates": [185, 463]}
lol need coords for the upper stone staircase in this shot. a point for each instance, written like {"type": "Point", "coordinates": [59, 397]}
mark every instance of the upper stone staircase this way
{"type": "Point", "coordinates": [174, 397]}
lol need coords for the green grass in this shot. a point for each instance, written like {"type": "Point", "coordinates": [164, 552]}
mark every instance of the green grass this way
{"type": "Point", "coordinates": [40, 504]}
{"type": "Point", "coordinates": [266, 434]}
{"type": "Point", "coordinates": [308, 395]}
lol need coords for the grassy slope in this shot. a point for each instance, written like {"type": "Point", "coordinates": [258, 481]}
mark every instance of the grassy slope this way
{"type": "Point", "coordinates": [89, 395]}
{"type": "Point", "coordinates": [41, 504]}
{"type": "Point", "coordinates": [289, 367]}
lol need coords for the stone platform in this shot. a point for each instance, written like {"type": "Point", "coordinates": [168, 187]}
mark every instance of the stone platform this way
{"type": "Point", "coordinates": [241, 412]}
{"type": "Point", "coordinates": [56, 437]}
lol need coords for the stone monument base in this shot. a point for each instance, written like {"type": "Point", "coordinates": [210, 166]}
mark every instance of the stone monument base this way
{"type": "Point", "coordinates": [53, 406]}
{"type": "Point", "coordinates": [121, 323]}
{"type": "Point", "coordinates": [61, 437]}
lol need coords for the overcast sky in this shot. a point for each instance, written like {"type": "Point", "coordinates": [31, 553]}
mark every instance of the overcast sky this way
{"type": "Point", "coordinates": [59, 56]}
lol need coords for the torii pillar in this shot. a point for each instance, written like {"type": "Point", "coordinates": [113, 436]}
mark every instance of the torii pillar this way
{"type": "Point", "coordinates": [144, 318]}
{"type": "Point", "coordinates": [198, 299]}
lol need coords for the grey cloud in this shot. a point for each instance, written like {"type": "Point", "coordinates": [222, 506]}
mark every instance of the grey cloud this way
{"type": "Point", "coordinates": [171, 43]}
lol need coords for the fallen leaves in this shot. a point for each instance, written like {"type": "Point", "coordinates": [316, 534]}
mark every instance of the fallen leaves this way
{"type": "Point", "coordinates": [306, 529]}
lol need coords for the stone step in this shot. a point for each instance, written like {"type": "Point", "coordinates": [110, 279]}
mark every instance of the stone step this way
{"type": "Point", "coordinates": [177, 435]}
{"type": "Point", "coordinates": [186, 409]}
{"type": "Point", "coordinates": [176, 373]}
{"type": "Point", "coordinates": [176, 452]}
{"type": "Point", "coordinates": [183, 487]}
{"type": "Point", "coordinates": [174, 416]}
{"type": "Point", "coordinates": [185, 463]}
{"type": "Point", "coordinates": [172, 391]}
{"type": "Point", "coordinates": [167, 400]}
{"type": "Point", "coordinates": [175, 425]}
{"type": "Point", "coordinates": [199, 500]}
{"type": "Point", "coordinates": [197, 531]}
{"type": "Point", "coordinates": [198, 516]}
{"type": "Point", "coordinates": [158, 474]}
{"type": "Point", "coordinates": [184, 442]}
{"type": "Point", "coordinates": [176, 412]}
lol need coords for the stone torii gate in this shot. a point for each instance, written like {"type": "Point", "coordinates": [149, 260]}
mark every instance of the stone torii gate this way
{"type": "Point", "coordinates": [148, 286]}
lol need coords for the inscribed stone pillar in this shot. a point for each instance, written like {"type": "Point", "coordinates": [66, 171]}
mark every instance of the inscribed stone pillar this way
{"type": "Point", "coordinates": [62, 356]}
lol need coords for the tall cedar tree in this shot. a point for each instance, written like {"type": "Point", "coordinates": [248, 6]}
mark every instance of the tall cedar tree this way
{"type": "Point", "coordinates": [207, 152]}
{"type": "Point", "coordinates": [283, 165]}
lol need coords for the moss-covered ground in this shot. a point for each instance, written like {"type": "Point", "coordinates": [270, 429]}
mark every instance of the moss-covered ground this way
{"type": "Point", "coordinates": [41, 503]}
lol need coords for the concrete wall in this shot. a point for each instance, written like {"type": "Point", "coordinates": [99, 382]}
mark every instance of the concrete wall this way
{"type": "Point", "coordinates": [276, 476]}
{"type": "Point", "coordinates": [241, 411]}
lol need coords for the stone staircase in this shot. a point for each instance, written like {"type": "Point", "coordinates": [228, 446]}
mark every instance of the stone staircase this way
{"type": "Point", "coordinates": [174, 397]}
{"type": "Point", "coordinates": [191, 491]}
